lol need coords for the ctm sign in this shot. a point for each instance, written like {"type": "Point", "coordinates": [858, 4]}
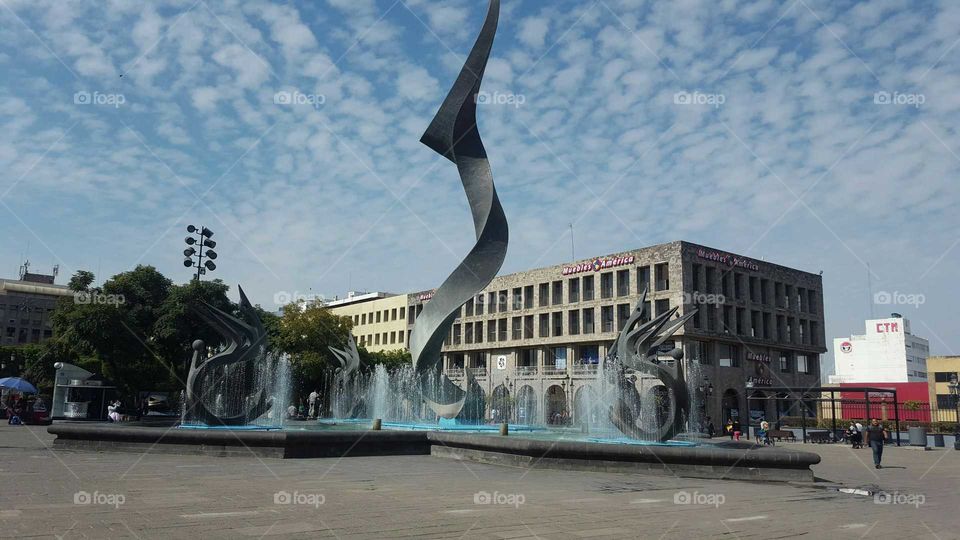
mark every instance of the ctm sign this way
{"type": "Point", "coordinates": [887, 327]}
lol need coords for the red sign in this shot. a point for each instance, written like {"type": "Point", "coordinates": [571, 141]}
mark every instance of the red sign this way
{"type": "Point", "coordinates": [729, 260]}
{"type": "Point", "coordinates": [887, 327]}
{"type": "Point", "coordinates": [423, 297]}
{"type": "Point", "coordinates": [598, 264]}
{"type": "Point", "coordinates": [846, 346]}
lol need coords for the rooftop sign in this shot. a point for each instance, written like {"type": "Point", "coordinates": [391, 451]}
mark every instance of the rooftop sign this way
{"type": "Point", "coordinates": [598, 264]}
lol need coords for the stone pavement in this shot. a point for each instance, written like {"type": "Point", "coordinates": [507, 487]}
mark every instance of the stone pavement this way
{"type": "Point", "coordinates": [70, 494]}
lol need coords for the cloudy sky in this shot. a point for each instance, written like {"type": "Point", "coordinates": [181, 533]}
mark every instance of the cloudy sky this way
{"type": "Point", "coordinates": [818, 134]}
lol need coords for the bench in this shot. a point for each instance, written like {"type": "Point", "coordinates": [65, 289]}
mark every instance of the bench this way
{"type": "Point", "coordinates": [781, 435]}
{"type": "Point", "coordinates": [819, 437]}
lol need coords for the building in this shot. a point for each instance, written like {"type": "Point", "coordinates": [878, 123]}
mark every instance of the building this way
{"type": "Point", "coordinates": [940, 371]}
{"type": "Point", "coordinates": [887, 353]}
{"type": "Point", "coordinates": [26, 308]}
{"type": "Point", "coordinates": [379, 319]}
{"type": "Point", "coordinates": [536, 338]}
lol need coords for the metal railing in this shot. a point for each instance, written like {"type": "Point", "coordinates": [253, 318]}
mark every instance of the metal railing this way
{"type": "Point", "coordinates": [526, 371]}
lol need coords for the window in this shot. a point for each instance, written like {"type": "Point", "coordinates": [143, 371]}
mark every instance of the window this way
{"type": "Point", "coordinates": [623, 313]}
{"type": "Point", "coordinates": [502, 329]}
{"type": "Point", "coordinates": [503, 301]}
{"type": "Point", "coordinates": [764, 296]}
{"type": "Point", "coordinates": [403, 313]}
{"type": "Point", "coordinates": [737, 285]}
{"type": "Point", "coordinates": [701, 351]}
{"type": "Point", "coordinates": [588, 321]}
{"type": "Point", "coordinates": [943, 376]}
{"type": "Point", "coordinates": [662, 306]}
{"type": "Point", "coordinates": [528, 297]}
{"type": "Point", "coordinates": [492, 302]}
{"type": "Point", "coordinates": [528, 327]}
{"type": "Point", "coordinates": [606, 319]}
{"type": "Point", "coordinates": [468, 308]}
{"type": "Point", "coordinates": [558, 324]}
{"type": "Point", "coordinates": [811, 301]}
{"type": "Point", "coordinates": [517, 299]}
{"type": "Point", "coordinates": [400, 336]}
{"type": "Point", "coordinates": [587, 288]}
{"type": "Point", "coordinates": [946, 401]}
{"type": "Point", "coordinates": [643, 279]}
{"type": "Point", "coordinates": [803, 364]}
{"type": "Point", "coordinates": [741, 326]}
{"type": "Point", "coordinates": [478, 331]}
{"type": "Point", "coordinates": [393, 335]}
{"type": "Point", "coordinates": [695, 277]}
{"type": "Point", "coordinates": [544, 325]}
{"type": "Point", "coordinates": [491, 330]}
{"type": "Point", "coordinates": [478, 304]}
{"type": "Point", "coordinates": [516, 328]}
{"type": "Point", "coordinates": [729, 355]}
{"type": "Point", "coordinates": [573, 290]}
{"type": "Point", "coordinates": [557, 293]}
{"type": "Point", "coordinates": [468, 333]}
{"type": "Point", "coordinates": [710, 280]}
{"type": "Point", "coordinates": [606, 285]}
{"type": "Point", "coordinates": [662, 275]}
{"type": "Point", "coordinates": [376, 339]}
{"type": "Point", "coordinates": [544, 296]}
{"type": "Point", "coordinates": [393, 314]}
{"type": "Point", "coordinates": [755, 330]}
{"type": "Point", "coordinates": [363, 319]}
{"type": "Point", "coordinates": [784, 363]}
{"type": "Point", "coordinates": [378, 316]}
{"type": "Point", "coordinates": [573, 322]}
{"type": "Point", "coordinates": [623, 282]}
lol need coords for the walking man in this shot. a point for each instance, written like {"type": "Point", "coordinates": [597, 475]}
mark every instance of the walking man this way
{"type": "Point", "coordinates": [876, 435]}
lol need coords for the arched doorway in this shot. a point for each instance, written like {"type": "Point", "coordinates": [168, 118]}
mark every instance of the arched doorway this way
{"type": "Point", "coordinates": [556, 406]}
{"type": "Point", "coordinates": [501, 405]}
{"type": "Point", "coordinates": [730, 406]}
{"type": "Point", "coordinates": [526, 406]}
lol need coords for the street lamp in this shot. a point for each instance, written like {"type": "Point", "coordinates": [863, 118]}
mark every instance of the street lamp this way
{"type": "Point", "coordinates": [195, 248]}
{"type": "Point", "coordinates": [955, 391]}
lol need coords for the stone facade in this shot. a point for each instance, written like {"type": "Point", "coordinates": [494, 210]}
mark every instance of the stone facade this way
{"type": "Point", "coordinates": [538, 336]}
{"type": "Point", "coordinates": [26, 308]}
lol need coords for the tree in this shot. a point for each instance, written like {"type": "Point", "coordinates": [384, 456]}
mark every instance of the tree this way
{"type": "Point", "coordinates": [81, 281]}
{"type": "Point", "coordinates": [177, 324]}
{"type": "Point", "coordinates": [390, 359]}
{"type": "Point", "coordinates": [306, 330]}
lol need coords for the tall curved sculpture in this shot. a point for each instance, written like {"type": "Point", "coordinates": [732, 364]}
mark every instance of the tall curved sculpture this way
{"type": "Point", "coordinates": [636, 351]}
{"type": "Point", "coordinates": [246, 344]}
{"type": "Point", "coordinates": [453, 134]}
{"type": "Point", "coordinates": [348, 357]}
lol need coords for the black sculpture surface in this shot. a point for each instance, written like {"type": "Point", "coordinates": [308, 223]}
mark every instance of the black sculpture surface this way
{"type": "Point", "coordinates": [453, 134]}
{"type": "Point", "coordinates": [636, 350]}
{"type": "Point", "coordinates": [246, 346]}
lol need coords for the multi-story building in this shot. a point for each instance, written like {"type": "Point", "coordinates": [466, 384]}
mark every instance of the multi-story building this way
{"type": "Point", "coordinates": [941, 372]}
{"type": "Point", "coordinates": [535, 338]}
{"type": "Point", "coordinates": [379, 319]}
{"type": "Point", "coordinates": [887, 352]}
{"type": "Point", "coordinates": [26, 307]}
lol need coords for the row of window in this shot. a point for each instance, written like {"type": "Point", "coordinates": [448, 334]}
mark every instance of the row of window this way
{"type": "Point", "coordinates": [710, 280]}
{"type": "Point", "coordinates": [760, 325]}
{"type": "Point", "coordinates": [946, 401]}
{"type": "Point", "coordinates": [386, 315]}
{"type": "Point", "coordinates": [573, 322]}
{"type": "Point", "coordinates": [731, 355]}
{"type": "Point", "coordinates": [384, 338]}
{"type": "Point", "coordinates": [532, 358]}
{"type": "Point", "coordinates": [26, 335]}
{"type": "Point", "coordinates": [943, 376]}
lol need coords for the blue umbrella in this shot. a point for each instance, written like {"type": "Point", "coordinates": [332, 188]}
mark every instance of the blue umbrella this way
{"type": "Point", "coordinates": [16, 383]}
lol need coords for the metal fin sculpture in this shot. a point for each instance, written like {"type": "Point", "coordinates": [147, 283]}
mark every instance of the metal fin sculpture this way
{"type": "Point", "coordinates": [453, 134]}
{"type": "Point", "coordinates": [636, 350]}
{"type": "Point", "coordinates": [247, 344]}
{"type": "Point", "coordinates": [348, 357]}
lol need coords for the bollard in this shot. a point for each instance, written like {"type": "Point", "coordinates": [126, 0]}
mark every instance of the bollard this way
{"type": "Point", "coordinates": [376, 424]}
{"type": "Point", "coordinates": [504, 429]}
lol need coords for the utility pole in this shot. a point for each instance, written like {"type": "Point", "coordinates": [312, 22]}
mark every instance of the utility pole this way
{"type": "Point", "coordinates": [202, 241]}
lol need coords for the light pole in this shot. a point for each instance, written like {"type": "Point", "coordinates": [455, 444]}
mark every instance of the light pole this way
{"type": "Point", "coordinates": [201, 241]}
{"type": "Point", "coordinates": [955, 391]}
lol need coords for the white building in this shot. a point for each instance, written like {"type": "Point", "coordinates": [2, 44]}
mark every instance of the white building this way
{"type": "Point", "coordinates": [888, 352]}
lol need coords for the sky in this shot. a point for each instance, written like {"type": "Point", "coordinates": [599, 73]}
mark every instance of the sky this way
{"type": "Point", "coordinates": [816, 134]}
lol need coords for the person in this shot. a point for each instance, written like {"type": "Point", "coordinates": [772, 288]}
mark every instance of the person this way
{"type": "Point", "coordinates": [710, 428]}
{"type": "Point", "coordinates": [764, 434]}
{"type": "Point", "coordinates": [113, 413]}
{"type": "Point", "coordinates": [859, 434]}
{"type": "Point", "coordinates": [729, 427]}
{"type": "Point", "coordinates": [292, 411]}
{"type": "Point", "coordinates": [737, 430]}
{"type": "Point", "coordinates": [876, 435]}
{"type": "Point", "coordinates": [313, 403]}
{"type": "Point", "coordinates": [856, 436]}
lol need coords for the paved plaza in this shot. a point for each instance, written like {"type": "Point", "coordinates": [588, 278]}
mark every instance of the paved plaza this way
{"type": "Point", "coordinates": [72, 494]}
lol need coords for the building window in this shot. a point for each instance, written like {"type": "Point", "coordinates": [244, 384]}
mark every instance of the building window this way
{"type": "Point", "coordinates": [376, 339]}
{"type": "Point", "coordinates": [393, 314]}
{"type": "Point", "coordinates": [573, 322]}
{"type": "Point", "coordinates": [588, 321]}
{"type": "Point", "coordinates": [811, 301]}
{"type": "Point", "coordinates": [557, 293]}
{"type": "Point", "coordinates": [573, 290]}
{"type": "Point", "coordinates": [400, 336]}
{"type": "Point", "coordinates": [393, 336]}
{"type": "Point", "coordinates": [468, 308]}
{"type": "Point", "coordinates": [623, 313]}
{"type": "Point", "coordinates": [528, 297]}
{"type": "Point", "coordinates": [467, 333]}
{"type": "Point", "coordinates": [943, 376]}
{"type": "Point", "coordinates": [517, 328]}
{"type": "Point", "coordinates": [606, 319]}
{"type": "Point", "coordinates": [737, 286]}
{"type": "Point", "coordinates": [662, 275]}
{"type": "Point", "coordinates": [503, 301]}
{"type": "Point", "coordinates": [558, 324]}
{"type": "Point", "coordinates": [662, 306]}
{"type": "Point", "coordinates": [764, 296]}
{"type": "Point", "coordinates": [528, 327]}
{"type": "Point", "coordinates": [544, 325]}
{"type": "Point", "coordinates": [502, 330]}
{"type": "Point", "coordinates": [587, 288]}
{"type": "Point", "coordinates": [378, 316]}
{"type": "Point", "coordinates": [803, 364]}
{"type": "Point", "coordinates": [363, 319]}
{"type": "Point", "coordinates": [643, 279]}
{"type": "Point", "coordinates": [491, 330]}
{"type": "Point", "coordinates": [729, 355]}
{"type": "Point", "coordinates": [478, 331]}
{"type": "Point", "coordinates": [701, 350]}
{"type": "Point", "coordinates": [492, 302]}
{"type": "Point", "coordinates": [544, 296]}
{"type": "Point", "coordinates": [784, 363]}
{"type": "Point", "coordinates": [517, 299]}
{"type": "Point", "coordinates": [606, 285]}
{"type": "Point", "coordinates": [623, 282]}
{"type": "Point", "coordinates": [646, 315]}
{"type": "Point", "coordinates": [695, 277]}
{"type": "Point", "coordinates": [946, 401]}
{"type": "Point", "coordinates": [589, 354]}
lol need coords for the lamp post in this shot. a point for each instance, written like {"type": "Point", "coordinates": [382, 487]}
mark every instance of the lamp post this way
{"type": "Point", "coordinates": [955, 391]}
{"type": "Point", "coordinates": [195, 248]}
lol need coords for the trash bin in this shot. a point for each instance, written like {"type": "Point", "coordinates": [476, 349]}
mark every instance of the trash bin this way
{"type": "Point", "coordinates": [938, 440]}
{"type": "Point", "coordinates": [918, 436]}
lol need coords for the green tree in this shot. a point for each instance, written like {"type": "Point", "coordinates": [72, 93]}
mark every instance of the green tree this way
{"type": "Point", "coordinates": [390, 359]}
{"type": "Point", "coordinates": [81, 281]}
{"type": "Point", "coordinates": [306, 330]}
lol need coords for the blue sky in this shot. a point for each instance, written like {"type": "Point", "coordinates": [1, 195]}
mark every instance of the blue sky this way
{"type": "Point", "coordinates": [820, 135]}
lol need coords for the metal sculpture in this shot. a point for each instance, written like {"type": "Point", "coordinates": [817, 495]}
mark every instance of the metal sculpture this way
{"type": "Point", "coordinates": [246, 341]}
{"type": "Point", "coordinates": [637, 349]}
{"type": "Point", "coordinates": [453, 134]}
{"type": "Point", "coordinates": [348, 357]}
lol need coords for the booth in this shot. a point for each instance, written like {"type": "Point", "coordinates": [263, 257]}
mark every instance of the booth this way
{"type": "Point", "coordinates": [79, 394]}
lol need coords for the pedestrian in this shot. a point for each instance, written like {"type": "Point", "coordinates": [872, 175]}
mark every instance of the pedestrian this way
{"type": "Point", "coordinates": [710, 428]}
{"type": "Point", "coordinates": [859, 434]}
{"type": "Point", "coordinates": [876, 435]}
{"type": "Point", "coordinates": [313, 403]}
{"type": "Point", "coordinates": [764, 434]}
{"type": "Point", "coordinates": [729, 427]}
